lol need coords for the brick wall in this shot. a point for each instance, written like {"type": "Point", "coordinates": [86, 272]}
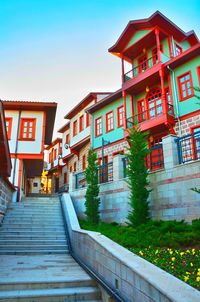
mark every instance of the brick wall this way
{"type": "Point", "coordinates": [187, 124]}
{"type": "Point", "coordinates": [5, 197]}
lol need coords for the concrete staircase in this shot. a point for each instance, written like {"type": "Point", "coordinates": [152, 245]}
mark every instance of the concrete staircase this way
{"type": "Point", "coordinates": [33, 226]}
{"type": "Point", "coordinates": [35, 264]}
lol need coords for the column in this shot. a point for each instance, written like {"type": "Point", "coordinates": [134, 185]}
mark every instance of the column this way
{"type": "Point", "coordinates": [72, 182]}
{"type": "Point", "coordinates": [118, 167]}
{"type": "Point", "coordinates": [170, 151]}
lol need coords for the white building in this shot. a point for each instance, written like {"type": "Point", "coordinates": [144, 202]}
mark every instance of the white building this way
{"type": "Point", "coordinates": [29, 128]}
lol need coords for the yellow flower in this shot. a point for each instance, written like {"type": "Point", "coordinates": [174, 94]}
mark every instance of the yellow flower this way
{"type": "Point", "coordinates": [198, 273]}
{"type": "Point", "coordinates": [171, 252]}
{"type": "Point", "coordinates": [182, 253]}
{"type": "Point", "coordinates": [156, 252]}
{"type": "Point", "coordinates": [198, 279]}
{"type": "Point", "coordinates": [191, 264]}
{"type": "Point", "coordinates": [173, 258]}
{"type": "Point", "coordinates": [193, 251]}
{"type": "Point", "coordinates": [187, 273]}
{"type": "Point", "coordinates": [188, 251]}
{"type": "Point", "coordinates": [172, 267]}
{"type": "Point", "coordinates": [141, 253]}
{"type": "Point", "coordinates": [186, 278]}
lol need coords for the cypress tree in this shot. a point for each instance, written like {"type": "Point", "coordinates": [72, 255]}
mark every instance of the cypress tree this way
{"type": "Point", "coordinates": [92, 200]}
{"type": "Point", "coordinates": [137, 173]}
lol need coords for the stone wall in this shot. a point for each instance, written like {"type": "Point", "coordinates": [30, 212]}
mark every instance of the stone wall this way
{"type": "Point", "coordinates": [6, 192]}
{"type": "Point", "coordinates": [187, 124]}
{"type": "Point", "coordinates": [133, 278]}
{"type": "Point", "coordinates": [171, 196]}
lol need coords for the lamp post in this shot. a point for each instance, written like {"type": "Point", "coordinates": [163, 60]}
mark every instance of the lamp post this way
{"type": "Point", "coordinates": [104, 142]}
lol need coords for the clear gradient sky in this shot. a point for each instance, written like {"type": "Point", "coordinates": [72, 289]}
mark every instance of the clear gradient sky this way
{"type": "Point", "coordinates": [56, 50]}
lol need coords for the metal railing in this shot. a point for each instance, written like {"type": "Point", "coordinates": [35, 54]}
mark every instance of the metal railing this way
{"type": "Point", "coordinates": [105, 173]}
{"type": "Point", "coordinates": [149, 114]}
{"type": "Point", "coordinates": [154, 160]}
{"type": "Point", "coordinates": [80, 181]}
{"type": "Point", "coordinates": [140, 68]}
{"type": "Point", "coordinates": [188, 147]}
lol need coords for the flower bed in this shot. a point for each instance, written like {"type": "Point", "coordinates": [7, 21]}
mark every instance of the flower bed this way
{"type": "Point", "coordinates": [172, 246]}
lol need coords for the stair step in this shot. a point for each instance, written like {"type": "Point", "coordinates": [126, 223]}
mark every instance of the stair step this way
{"type": "Point", "coordinates": [32, 237]}
{"type": "Point", "coordinates": [31, 233]}
{"type": "Point", "coordinates": [31, 242]}
{"type": "Point", "coordinates": [51, 295]}
{"type": "Point", "coordinates": [33, 252]}
{"type": "Point", "coordinates": [72, 282]}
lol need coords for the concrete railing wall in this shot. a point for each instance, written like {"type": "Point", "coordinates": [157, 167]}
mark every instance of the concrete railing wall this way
{"type": "Point", "coordinates": [133, 277]}
{"type": "Point", "coordinates": [171, 196]}
{"type": "Point", "coordinates": [6, 192]}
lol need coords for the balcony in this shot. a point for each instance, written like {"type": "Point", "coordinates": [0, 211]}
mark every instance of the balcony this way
{"type": "Point", "coordinates": [153, 117]}
{"type": "Point", "coordinates": [139, 69]}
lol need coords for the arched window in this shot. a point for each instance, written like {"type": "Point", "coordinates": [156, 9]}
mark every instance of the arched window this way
{"type": "Point", "coordinates": [154, 102]}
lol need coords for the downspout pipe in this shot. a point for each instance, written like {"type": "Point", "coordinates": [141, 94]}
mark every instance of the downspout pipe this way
{"type": "Point", "coordinates": [176, 99]}
{"type": "Point", "coordinates": [16, 147]}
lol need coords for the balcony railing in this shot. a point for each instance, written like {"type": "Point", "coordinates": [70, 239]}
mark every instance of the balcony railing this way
{"type": "Point", "coordinates": [188, 147]}
{"type": "Point", "coordinates": [149, 114]}
{"type": "Point", "coordinates": [140, 68]}
{"type": "Point", "coordinates": [154, 160]}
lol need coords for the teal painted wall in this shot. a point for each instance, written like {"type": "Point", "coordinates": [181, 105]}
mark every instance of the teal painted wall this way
{"type": "Point", "coordinates": [190, 104]}
{"type": "Point", "coordinates": [185, 45]}
{"type": "Point", "coordinates": [117, 133]}
{"type": "Point", "coordinates": [137, 36]}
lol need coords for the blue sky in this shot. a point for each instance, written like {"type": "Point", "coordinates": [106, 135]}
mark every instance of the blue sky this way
{"type": "Point", "coordinates": [56, 50]}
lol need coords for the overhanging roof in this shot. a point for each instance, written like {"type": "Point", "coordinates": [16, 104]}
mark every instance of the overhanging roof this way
{"type": "Point", "coordinates": [55, 141]}
{"type": "Point", "coordinates": [83, 103]}
{"type": "Point", "coordinates": [107, 100]}
{"type": "Point", "coordinates": [5, 161]}
{"type": "Point", "coordinates": [156, 19]}
{"type": "Point", "coordinates": [48, 107]}
{"type": "Point", "coordinates": [64, 128]}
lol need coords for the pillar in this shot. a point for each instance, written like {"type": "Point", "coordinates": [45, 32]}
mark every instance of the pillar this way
{"type": "Point", "coordinates": [118, 167]}
{"type": "Point", "coordinates": [170, 151]}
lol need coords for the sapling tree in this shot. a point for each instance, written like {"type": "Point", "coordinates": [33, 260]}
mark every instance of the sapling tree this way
{"type": "Point", "coordinates": [137, 173]}
{"type": "Point", "coordinates": [92, 201]}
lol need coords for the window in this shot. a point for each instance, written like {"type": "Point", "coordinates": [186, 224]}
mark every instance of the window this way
{"type": "Point", "coordinates": [185, 86]}
{"type": "Point", "coordinates": [87, 120]}
{"type": "Point", "coordinates": [81, 123]}
{"type": "Point", "coordinates": [35, 184]}
{"type": "Point", "coordinates": [65, 177]}
{"type": "Point", "coordinates": [54, 154]}
{"type": "Point", "coordinates": [141, 110]}
{"type": "Point", "coordinates": [155, 54]}
{"type": "Point", "coordinates": [9, 126]}
{"type": "Point", "coordinates": [120, 116]}
{"type": "Point", "coordinates": [67, 139]}
{"type": "Point", "coordinates": [169, 101]}
{"type": "Point", "coordinates": [49, 157]}
{"type": "Point", "coordinates": [98, 126]}
{"type": "Point", "coordinates": [75, 166]}
{"type": "Point", "coordinates": [74, 128]}
{"type": "Point", "coordinates": [178, 50]}
{"type": "Point", "coordinates": [109, 121]}
{"type": "Point", "coordinates": [198, 73]}
{"type": "Point", "coordinates": [27, 129]}
{"type": "Point", "coordinates": [83, 162]}
{"type": "Point", "coordinates": [196, 142]}
{"type": "Point", "coordinates": [154, 103]}
{"type": "Point", "coordinates": [142, 63]}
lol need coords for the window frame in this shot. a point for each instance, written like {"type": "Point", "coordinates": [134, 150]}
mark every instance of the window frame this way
{"type": "Point", "coordinates": [83, 162]}
{"type": "Point", "coordinates": [67, 139]}
{"type": "Point", "coordinates": [9, 120]}
{"type": "Point", "coordinates": [179, 86]}
{"type": "Point", "coordinates": [87, 119]}
{"type": "Point", "coordinates": [28, 120]}
{"type": "Point", "coordinates": [198, 73]}
{"type": "Point", "coordinates": [81, 123]}
{"type": "Point", "coordinates": [179, 48]}
{"type": "Point", "coordinates": [96, 120]}
{"type": "Point", "coordinates": [119, 125]}
{"type": "Point", "coordinates": [107, 124]}
{"type": "Point", "coordinates": [75, 128]}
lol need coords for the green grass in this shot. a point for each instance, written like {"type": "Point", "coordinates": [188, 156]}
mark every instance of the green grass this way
{"type": "Point", "coordinates": [171, 245]}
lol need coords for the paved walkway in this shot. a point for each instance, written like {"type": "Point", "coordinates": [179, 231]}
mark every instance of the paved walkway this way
{"type": "Point", "coordinates": [40, 268]}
